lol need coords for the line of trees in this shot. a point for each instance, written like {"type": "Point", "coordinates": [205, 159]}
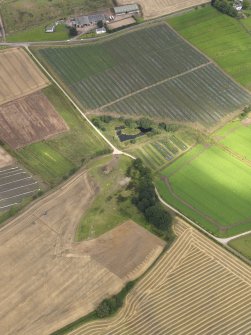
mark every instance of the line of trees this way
{"type": "Point", "coordinates": [145, 197]}
{"type": "Point", "coordinates": [225, 6]}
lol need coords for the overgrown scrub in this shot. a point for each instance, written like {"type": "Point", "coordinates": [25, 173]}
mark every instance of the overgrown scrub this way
{"type": "Point", "coordinates": [145, 198]}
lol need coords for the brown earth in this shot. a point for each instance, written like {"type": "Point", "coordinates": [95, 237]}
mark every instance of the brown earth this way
{"type": "Point", "coordinates": [152, 8]}
{"type": "Point", "coordinates": [196, 287]}
{"type": "Point", "coordinates": [48, 280]}
{"type": "Point", "coordinates": [19, 75]}
{"type": "Point", "coordinates": [29, 119]}
{"type": "Point", "coordinates": [5, 158]}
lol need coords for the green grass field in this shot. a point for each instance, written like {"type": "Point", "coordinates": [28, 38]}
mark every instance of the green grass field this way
{"type": "Point", "coordinates": [237, 138]}
{"type": "Point", "coordinates": [106, 212]}
{"type": "Point", "coordinates": [220, 37]}
{"type": "Point", "coordinates": [242, 245]}
{"type": "Point", "coordinates": [211, 187]}
{"type": "Point", "coordinates": [23, 14]}
{"type": "Point", "coordinates": [37, 34]}
{"type": "Point", "coordinates": [57, 158]}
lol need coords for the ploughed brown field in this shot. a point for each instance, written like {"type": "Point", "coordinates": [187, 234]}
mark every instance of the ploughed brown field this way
{"type": "Point", "coordinates": [155, 8]}
{"type": "Point", "coordinates": [19, 75]}
{"type": "Point", "coordinates": [48, 280]}
{"type": "Point", "coordinates": [29, 119]}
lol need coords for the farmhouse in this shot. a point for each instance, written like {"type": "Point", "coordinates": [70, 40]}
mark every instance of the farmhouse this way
{"type": "Point", "coordinates": [127, 9]}
{"type": "Point", "coordinates": [85, 20]}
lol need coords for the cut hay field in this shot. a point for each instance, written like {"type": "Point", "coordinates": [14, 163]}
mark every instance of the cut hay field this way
{"type": "Point", "coordinates": [153, 8]}
{"type": "Point", "coordinates": [17, 80]}
{"type": "Point", "coordinates": [211, 184]}
{"type": "Point", "coordinates": [159, 76]}
{"type": "Point", "coordinates": [196, 287]}
{"type": "Point", "coordinates": [5, 158]}
{"type": "Point", "coordinates": [29, 119]}
{"type": "Point", "coordinates": [49, 280]}
{"type": "Point", "coordinates": [220, 37]}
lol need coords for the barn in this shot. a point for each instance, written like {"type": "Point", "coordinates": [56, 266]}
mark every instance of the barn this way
{"type": "Point", "coordinates": [127, 9]}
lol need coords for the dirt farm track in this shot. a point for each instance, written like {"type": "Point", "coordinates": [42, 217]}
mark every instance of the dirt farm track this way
{"type": "Point", "coordinates": [48, 280]}
{"type": "Point", "coordinates": [196, 288]}
{"type": "Point", "coordinates": [152, 8]}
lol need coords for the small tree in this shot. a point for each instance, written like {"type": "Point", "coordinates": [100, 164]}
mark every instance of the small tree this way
{"type": "Point", "coordinates": [100, 24]}
{"type": "Point", "coordinates": [73, 32]}
{"type": "Point", "coordinates": [246, 4]}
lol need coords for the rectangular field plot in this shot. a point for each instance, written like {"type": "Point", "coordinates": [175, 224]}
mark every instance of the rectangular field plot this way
{"type": "Point", "coordinates": [19, 76]}
{"type": "Point", "coordinates": [15, 185]}
{"type": "Point", "coordinates": [211, 187]}
{"type": "Point", "coordinates": [5, 158]}
{"type": "Point", "coordinates": [237, 139]}
{"type": "Point", "coordinates": [221, 37]}
{"type": "Point", "coordinates": [29, 119]}
{"type": "Point", "coordinates": [156, 154]}
{"type": "Point", "coordinates": [204, 95]}
{"type": "Point", "coordinates": [153, 8]}
{"type": "Point", "coordinates": [152, 72]}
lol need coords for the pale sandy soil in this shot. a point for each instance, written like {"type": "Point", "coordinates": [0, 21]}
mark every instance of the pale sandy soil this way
{"type": "Point", "coordinates": [5, 158]}
{"type": "Point", "coordinates": [196, 287]}
{"type": "Point", "coordinates": [19, 75]}
{"type": "Point", "coordinates": [47, 280]}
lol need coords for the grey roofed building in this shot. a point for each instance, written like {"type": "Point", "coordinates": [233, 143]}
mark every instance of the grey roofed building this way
{"type": "Point", "coordinates": [94, 18]}
{"type": "Point", "coordinates": [126, 9]}
{"type": "Point", "coordinates": [82, 21]}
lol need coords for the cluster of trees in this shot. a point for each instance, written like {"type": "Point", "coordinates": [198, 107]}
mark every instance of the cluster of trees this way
{"type": "Point", "coordinates": [110, 306]}
{"type": "Point", "coordinates": [145, 197]}
{"type": "Point", "coordinates": [225, 6]}
{"type": "Point", "coordinates": [168, 127]}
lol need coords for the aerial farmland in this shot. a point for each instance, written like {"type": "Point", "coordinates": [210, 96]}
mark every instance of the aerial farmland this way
{"type": "Point", "coordinates": [163, 78]}
{"type": "Point", "coordinates": [125, 170]}
{"type": "Point", "coordinates": [153, 9]}
{"type": "Point", "coordinates": [195, 286]}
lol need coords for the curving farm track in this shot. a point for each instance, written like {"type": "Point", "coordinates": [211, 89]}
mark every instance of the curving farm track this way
{"type": "Point", "coordinates": [196, 288]}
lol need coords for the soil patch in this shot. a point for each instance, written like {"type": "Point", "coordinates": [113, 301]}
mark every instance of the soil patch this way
{"type": "Point", "coordinates": [28, 120]}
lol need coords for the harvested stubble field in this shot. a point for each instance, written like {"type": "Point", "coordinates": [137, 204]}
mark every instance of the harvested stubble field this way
{"type": "Point", "coordinates": [19, 76]}
{"type": "Point", "coordinates": [195, 288]}
{"type": "Point", "coordinates": [29, 119]}
{"type": "Point", "coordinates": [152, 8]}
{"type": "Point", "coordinates": [49, 280]}
{"type": "Point", "coordinates": [159, 75]}
{"type": "Point", "coordinates": [221, 37]}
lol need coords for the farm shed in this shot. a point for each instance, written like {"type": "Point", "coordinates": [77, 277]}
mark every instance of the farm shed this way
{"type": "Point", "coordinates": [126, 9]}
{"type": "Point", "coordinates": [100, 31]}
{"type": "Point", "coordinates": [82, 21]}
{"type": "Point", "coordinates": [85, 20]}
{"type": "Point", "coordinates": [51, 28]}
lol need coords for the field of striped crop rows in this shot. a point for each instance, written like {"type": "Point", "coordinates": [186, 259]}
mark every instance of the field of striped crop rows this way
{"type": "Point", "coordinates": [156, 154]}
{"type": "Point", "coordinates": [195, 288]}
{"type": "Point", "coordinates": [151, 72]}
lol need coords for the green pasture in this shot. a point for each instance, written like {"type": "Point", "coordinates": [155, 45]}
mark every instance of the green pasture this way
{"type": "Point", "coordinates": [242, 245]}
{"type": "Point", "coordinates": [36, 34]}
{"type": "Point", "coordinates": [216, 185]}
{"type": "Point", "coordinates": [23, 14]}
{"type": "Point", "coordinates": [238, 140]}
{"type": "Point", "coordinates": [57, 158]}
{"type": "Point", "coordinates": [112, 204]}
{"type": "Point", "coordinates": [220, 37]}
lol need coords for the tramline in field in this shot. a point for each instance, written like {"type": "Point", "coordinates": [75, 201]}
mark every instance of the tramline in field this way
{"type": "Point", "coordinates": [159, 75]}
